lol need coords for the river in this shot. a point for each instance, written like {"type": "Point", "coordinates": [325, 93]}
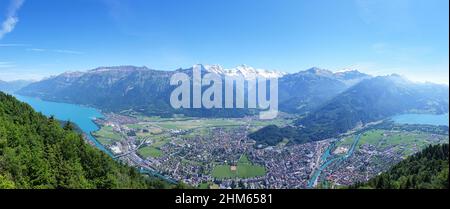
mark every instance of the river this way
{"type": "Point", "coordinates": [424, 119]}
{"type": "Point", "coordinates": [326, 162]}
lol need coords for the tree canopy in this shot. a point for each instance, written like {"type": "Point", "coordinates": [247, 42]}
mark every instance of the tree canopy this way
{"type": "Point", "coordinates": [425, 170]}
{"type": "Point", "coordinates": [37, 152]}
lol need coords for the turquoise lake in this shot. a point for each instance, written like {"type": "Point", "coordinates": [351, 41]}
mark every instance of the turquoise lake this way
{"type": "Point", "coordinates": [80, 115]}
{"type": "Point", "coordinates": [83, 117]}
{"type": "Point", "coordinates": [425, 119]}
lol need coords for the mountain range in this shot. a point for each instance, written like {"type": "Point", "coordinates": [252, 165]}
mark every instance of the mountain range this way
{"type": "Point", "coordinates": [245, 71]}
{"type": "Point", "coordinates": [372, 100]}
{"type": "Point", "coordinates": [147, 91]}
{"type": "Point", "coordinates": [368, 101]}
{"type": "Point", "coordinates": [13, 86]}
{"type": "Point", "coordinates": [306, 90]}
{"type": "Point", "coordinates": [328, 103]}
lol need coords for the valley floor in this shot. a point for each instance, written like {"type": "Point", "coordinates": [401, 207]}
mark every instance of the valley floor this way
{"type": "Point", "coordinates": [216, 153]}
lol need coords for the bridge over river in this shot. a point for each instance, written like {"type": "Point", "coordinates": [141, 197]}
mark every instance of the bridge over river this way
{"type": "Point", "coordinates": [325, 161]}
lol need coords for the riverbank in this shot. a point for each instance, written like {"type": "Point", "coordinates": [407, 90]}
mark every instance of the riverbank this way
{"type": "Point", "coordinates": [325, 162]}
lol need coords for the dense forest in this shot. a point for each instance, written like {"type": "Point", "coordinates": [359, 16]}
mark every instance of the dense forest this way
{"type": "Point", "coordinates": [37, 152]}
{"type": "Point", "coordinates": [425, 170]}
{"type": "Point", "coordinates": [272, 135]}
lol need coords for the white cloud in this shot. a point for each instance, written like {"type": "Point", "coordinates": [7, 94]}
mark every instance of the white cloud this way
{"type": "Point", "coordinates": [12, 19]}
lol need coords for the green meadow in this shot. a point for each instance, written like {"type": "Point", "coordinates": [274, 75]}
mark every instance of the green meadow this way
{"type": "Point", "coordinates": [150, 152]}
{"type": "Point", "coordinates": [107, 136]}
{"type": "Point", "coordinates": [244, 169]}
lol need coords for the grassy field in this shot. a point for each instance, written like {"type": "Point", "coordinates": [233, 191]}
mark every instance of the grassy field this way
{"type": "Point", "coordinates": [204, 186]}
{"type": "Point", "coordinates": [140, 127]}
{"type": "Point", "coordinates": [198, 123]}
{"type": "Point", "coordinates": [347, 141]}
{"type": "Point", "coordinates": [186, 123]}
{"type": "Point", "coordinates": [150, 152]}
{"type": "Point", "coordinates": [158, 140]}
{"type": "Point", "coordinates": [244, 169]}
{"type": "Point", "coordinates": [385, 139]}
{"type": "Point", "coordinates": [208, 185]}
{"type": "Point", "coordinates": [403, 142]}
{"type": "Point", "coordinates": [106, 135]}
{"type": "Point", "coordinates": [371, 137]}
{"type": "Point", "coordinates": [156, 126]}
{"type": "Point", "coordinates": [223, 172]}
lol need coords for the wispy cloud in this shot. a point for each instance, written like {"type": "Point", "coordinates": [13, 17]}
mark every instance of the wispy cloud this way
{"type": "Point", "coordinates": [12, 18]}
{"type": "Point", "coordinates": [13, 45]}
{"type": "Point", "coordinates": [64, 51]}
{"type": "Point", "coordinates": [6, 64]}
{"type": "Point", "coordinates": [36, 50]}
{"type": "Point", "coordinates": [61, 51]}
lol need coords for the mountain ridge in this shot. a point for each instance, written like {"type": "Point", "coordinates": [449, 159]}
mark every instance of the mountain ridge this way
{"type": "Point", "coordinates": [13, 86]}
{"type": "Point", "coordinates": [121, 87]}
{"type": "Point", "coordinates": [148, 91]}
{"type": "Point", "coordinates": [369, 101]}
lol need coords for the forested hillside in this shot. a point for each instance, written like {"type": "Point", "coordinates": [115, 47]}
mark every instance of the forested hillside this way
{"type": "Point", "coordinates": [425, 170]}
{"type": "Point", "coordinates": [368, 101]}
{"type": "Point", "coordinates": [36, 152]}
{"type": "Point", "coordinates": [373, 100]}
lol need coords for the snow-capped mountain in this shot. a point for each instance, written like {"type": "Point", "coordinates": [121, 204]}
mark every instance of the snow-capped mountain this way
{"type": "Point", "coordinates": [247, 72]}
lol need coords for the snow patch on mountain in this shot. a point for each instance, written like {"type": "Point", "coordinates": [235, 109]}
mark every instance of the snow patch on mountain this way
{"type": "Point", "coordinates": [245, 71]}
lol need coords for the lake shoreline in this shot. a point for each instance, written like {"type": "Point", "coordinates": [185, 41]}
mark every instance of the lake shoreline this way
{"type": "Point", "coordinates": [422, 119]}
{"type": "Point", "coordinates": [82, 115]}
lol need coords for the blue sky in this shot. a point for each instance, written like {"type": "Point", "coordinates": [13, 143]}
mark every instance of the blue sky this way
{"type": "Point", "coordinates": [47, 37]}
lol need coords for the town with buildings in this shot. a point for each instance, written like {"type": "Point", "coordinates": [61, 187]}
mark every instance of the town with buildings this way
{"type": "Point", "coordinates": [217, 153]}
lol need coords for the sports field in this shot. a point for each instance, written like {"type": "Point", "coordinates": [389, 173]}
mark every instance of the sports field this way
{"type": "Point", "coordinates": [244, 169]}
{"type": "Point", "coordinates": [150, 152]}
